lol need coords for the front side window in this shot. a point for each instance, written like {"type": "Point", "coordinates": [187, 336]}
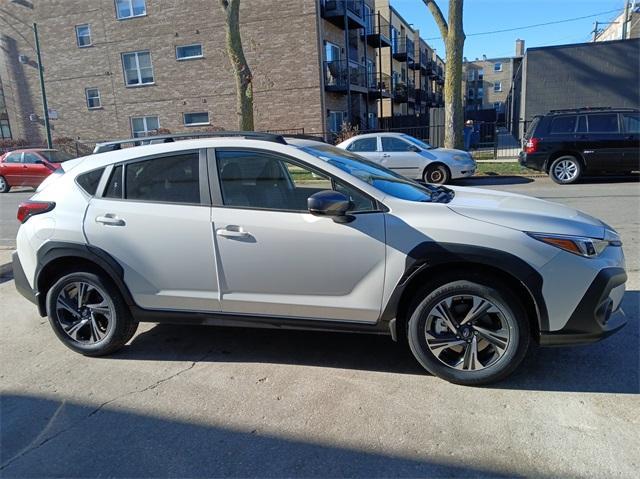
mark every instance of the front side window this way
{"type": "Point", "coordinates": [603, 123]}
{"type": "Point", "coordinates": [196, 119]}
{"type": "Point", "coordinates": [83, 36]}
{"type": "Point", "coordinates": [631, 122]}
{"type": "Point", "coordinates": [563, 124]}
{"type": "Point", "coordinates": [188, 52]}
{"type": "Point", "coordinates": [93, 98]}
{"type": "Point", "coordinates": [497, 67]}
{"type": "Point", "coordinates": [130, 8]}
{"type": "Point", "coordinates": [144, 125]}
{"type": "Point", "coordinates": [138, 69]}
{"type": "Point", "coordinates": [31, 158]}
{"type": "Point", "coordinates": [392, 144]}
{"type": "Point", "coordinates": [255, 179]}
{"type": "Point", "coordinates": [170, 179]}
{"type": "Point", "coordinates": [497, 86]}
{"type": "Point", "coordinates": [365, 144]}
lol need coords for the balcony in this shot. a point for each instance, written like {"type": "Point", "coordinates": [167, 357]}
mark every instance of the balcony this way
{"type": "Point", "coordinates": [340, 11]}
{"type": "Point", "coordinates": [439, 75]}
{"type": "Point", "coordinates": [411, 91]}
{"type": "Point", "coordinates": [404, 50]}
{"type": "Point", "coordinates": [341, 76]}
{"type": "Point", "coordinates": [377, 31]}
{"type": "Point", "coordinates": [379, 85]}
{"type": "Point", "coordinates": [420, 63]}
{"type": "Point", "coordinates": [400, 93]}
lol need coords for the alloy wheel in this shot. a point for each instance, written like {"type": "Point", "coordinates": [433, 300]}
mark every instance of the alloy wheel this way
{"type": "Point", "coordinates": [565, 170]}
{"type": "Point", "coordinates": [467, 332]}
{"type": "Point", "coordinates": [84, 312]}
{"type": "Point", "coordinates": [3, 183]}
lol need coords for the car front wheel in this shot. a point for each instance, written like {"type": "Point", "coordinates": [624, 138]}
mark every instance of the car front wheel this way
{"type": "Point", "coordinates": [468, 332]}
{"type": "Point", "coordinates": [438, 174]}
{"type": "Point", "coordinates": [88, 314]}
{"type": "Point", "coordinates": [565, 170]}
{"type": "Point", "coordinates": [4, 186]}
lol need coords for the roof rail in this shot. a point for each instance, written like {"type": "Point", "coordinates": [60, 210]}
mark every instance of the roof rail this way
{"type": "Point", "coordinates": [152, 140]}
{"type": "Point", "coordinates": [303, 136]}
{"type": "Point", "coordinates": [590, 108]}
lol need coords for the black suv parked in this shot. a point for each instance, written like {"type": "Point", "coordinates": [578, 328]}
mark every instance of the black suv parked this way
{"type": "Point", "coordinates": [567, 144]}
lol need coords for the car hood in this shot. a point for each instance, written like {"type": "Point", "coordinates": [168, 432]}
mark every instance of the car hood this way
{"type": "Point", "coordinates": [524, 213]}
{"type": "Point", "coordinates": [443, 153]}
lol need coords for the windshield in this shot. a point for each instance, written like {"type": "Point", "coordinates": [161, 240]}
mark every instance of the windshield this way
{"type": "Point", "coordinates": [417, 142]}
{"type": "Point", "coordinates": [377, 176]}
{"type": "Point", "coordinates": [55, 156]}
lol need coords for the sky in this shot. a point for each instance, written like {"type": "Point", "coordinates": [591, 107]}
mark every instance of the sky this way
{"type": "Point", "coordinates": [489, 15]}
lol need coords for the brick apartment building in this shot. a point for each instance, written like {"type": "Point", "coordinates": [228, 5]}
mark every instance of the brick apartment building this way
{"type": "Point", "coordinates": [487, 82]}
{"type": "Point", "coordinates": [116, 68]}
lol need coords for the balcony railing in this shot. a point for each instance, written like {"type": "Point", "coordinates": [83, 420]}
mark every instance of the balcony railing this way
{"type": "Point", "coordinates": [377, 30]}
{"type": "Point", "coordinates": [411, 91]}
{"type": "Point", "coordinates": [404, 50]}
{"type": "Point", "coordinates": [340, 75]}
{"type": "Point", "coordinates": [380, 84]}
{"type": "Point", "coordinates": [339, 11]}
{"type": "Point", "coordinates": [400, 93]}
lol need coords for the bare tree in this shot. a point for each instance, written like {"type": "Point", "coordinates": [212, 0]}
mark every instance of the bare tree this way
{"type": "Point", "coordinates": [453, 35]}
{"type": "Point", "coordinates": [241, 70]}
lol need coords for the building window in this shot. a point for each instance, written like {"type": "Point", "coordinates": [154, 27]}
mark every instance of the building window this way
{"type": "Point", "coordinates": [394, 40]}
{"type": "Point", "coordinates": [332, 52]}
{"type": "Point", "coordinates": [471, 94]}
{"type": "Point", "coordinates": [196, 119]}
{"type": "Point", "coordinates": [189, 52]}
{"type": "Point", "coordinates": [497, 67]}
{"type": "Point", "coordinates": [336, 118]}
{"type": "Point", "coordinates": [143, 125]}
{"type": "Point", "coordinates": [83, 36]}
{"type": "Point", "coordinates": [497, 106]}
{"type": "Point", "coordinates": [480, 92]}
{"type": "Point", "coordinates": [497, 86]}
{"type": "Point", "coordinates": [138, 69]}
{"type": "Point", "coordinates": [5, 130]}
{"type": "Point", "coordinates": [471, 75]}
{"type": "Point", "coordinates": [481, 74]}
{"type": "Point", "coordinates": [368, 19]}
{"type": "Point", "coordinates": [93, 98]}
{"type": "Point", "coordinates": [130, 9]}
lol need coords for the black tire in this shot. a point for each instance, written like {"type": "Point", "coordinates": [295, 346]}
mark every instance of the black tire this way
{"type": "Point", "coordinates": [565, 170]}
{"type": "Point", "coordinates": [4, 186]}
{"type": "Point", "coordinates": [117, 330]}
{"type": "Point", "coordinates": [509, 308]}
{"type": "Point", "coordinates": [438, 174]}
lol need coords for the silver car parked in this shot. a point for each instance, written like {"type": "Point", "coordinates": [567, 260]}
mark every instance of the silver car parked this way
{"type": "Point", "coordinates": [411, 157]}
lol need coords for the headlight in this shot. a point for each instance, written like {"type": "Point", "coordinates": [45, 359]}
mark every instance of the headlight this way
{"type": "Point", "coordinates": [460, 157]}
{"type": "Point", "coordinates": [582, 246]}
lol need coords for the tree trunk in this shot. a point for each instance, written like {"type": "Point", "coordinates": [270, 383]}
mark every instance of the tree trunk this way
{"type": "Point", "coordinates": [241, 70]}
{"type": "Point", "coordinates": [453, 36]}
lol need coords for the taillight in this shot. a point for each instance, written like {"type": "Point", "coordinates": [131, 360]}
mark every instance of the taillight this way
{"type": "Point", "coordinates": [31, 208]}
{"type": "Point", "coordinates": [531, 145]}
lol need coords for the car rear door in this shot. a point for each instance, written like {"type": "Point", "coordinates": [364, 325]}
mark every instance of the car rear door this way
{"type": "Point", "coordinates": [368, 147]}
{"type": "Point", "coordinates": [35, 168]}
{"type": "Point", "coordinates": [153, 216]}
{"type": "Point", "coordinates": [606, 145]}
{"type": "Point", "coordinates": [12, 169]}
{"type": "Point", "coordinates": [631, 134]}
{"type": "Point", "coordinates": [400, 156]}
{"type": "Point", "coordinates": [276, 259]}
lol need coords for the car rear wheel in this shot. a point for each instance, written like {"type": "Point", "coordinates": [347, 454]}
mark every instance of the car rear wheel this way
{"type": "Point", "coordinates": [4, 186]}
{"type": "Point", "coordinates": [469, 332]}
{"type": "Point", "coordinates": [88, 314]}
{"type": "Point", "coordinates": [438, 174]}
{"type": "Point", "coordinates": [565, 170]}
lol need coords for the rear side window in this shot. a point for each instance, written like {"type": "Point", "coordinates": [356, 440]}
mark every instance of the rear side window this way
{"type": "Point", "coordinates": [603, 123]}
{"type": "Point", "coordinates": [171, 179]}
{"type": "Point", "coordinates": [532, 128]}
{"type": "Point", "coordinates": [365, 144]}
{"type": "Point", "coordinates": [89, 181]}
{"type": "Point", "coordinates": [563, 124]}
{"type": "Point", "coordinates": [631, 122]}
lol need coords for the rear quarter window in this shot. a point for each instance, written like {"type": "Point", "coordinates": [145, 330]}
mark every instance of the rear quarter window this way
{"type": "Point", "coordinates": [563, 124]}
{"type": "Point", "coordinates": [89, 181]}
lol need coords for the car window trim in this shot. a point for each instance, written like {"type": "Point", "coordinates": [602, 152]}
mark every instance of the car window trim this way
{"type": "Point", "coordinates": [203, 178]}
{"type": "Point", "coordinates": [216, 192]}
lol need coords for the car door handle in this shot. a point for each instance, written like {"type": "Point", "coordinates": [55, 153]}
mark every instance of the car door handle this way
{"type": "Point", "coordinates": [232, 232]}
{"type": "Point", "coordinates": [386, 155]}
{"type": "Point", "coordinates": [110, 220]}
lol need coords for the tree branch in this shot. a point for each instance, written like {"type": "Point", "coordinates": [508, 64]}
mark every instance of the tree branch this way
{"type": "Point", "coordinates": [438, 17]}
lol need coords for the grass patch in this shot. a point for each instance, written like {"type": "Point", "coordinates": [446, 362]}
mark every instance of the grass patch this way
{"type": "Point", "coordinates": [502, 169]}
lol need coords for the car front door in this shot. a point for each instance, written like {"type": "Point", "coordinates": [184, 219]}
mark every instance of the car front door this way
{"type": "Point", "coordinates": [153, 217]}
{"type": "Point", "coordinates": [367, 147]}
{"type": "Point", "coordinates": [12, 169]}
{"type": "Point", "coordinates": [35, 169]}
{"type": "Point", "coordinates": [606, 146]}
{"type": "Point", "coordinates": [401, 156]}
{"type": "Point", "coordinates": [631, 132]}
{"type": "Point", "coordinates": [276, 259]}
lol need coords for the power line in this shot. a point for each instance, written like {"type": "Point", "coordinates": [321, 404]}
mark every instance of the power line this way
{"type": "Point", "coordinates": [533, 26]}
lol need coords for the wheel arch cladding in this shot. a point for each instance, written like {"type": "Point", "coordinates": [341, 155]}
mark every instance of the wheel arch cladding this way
{"type": "Point", "coordinates": [56, 259]}
{"type": "Point", "coordinates": [429, 261]}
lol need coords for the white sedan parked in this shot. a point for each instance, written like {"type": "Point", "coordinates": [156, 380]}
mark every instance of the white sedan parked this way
{"type": "Point", "coordinates": [411, 157]}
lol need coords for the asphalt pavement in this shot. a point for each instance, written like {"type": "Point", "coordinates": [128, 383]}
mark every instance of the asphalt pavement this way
{"type": "Point", "coordinates": [203, 401]}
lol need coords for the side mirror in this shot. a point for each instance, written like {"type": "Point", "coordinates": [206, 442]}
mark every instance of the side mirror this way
{"type": "Point", "coordinates": [330, 203]}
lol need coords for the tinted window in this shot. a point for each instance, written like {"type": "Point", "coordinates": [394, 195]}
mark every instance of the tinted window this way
{"type": "Point", "coordinates": [394, 144]}
{"type": "Point", "coordinates": [563, 124]}
{"type": "Point", "coordinates": [31, 158]}
{"type": "Point", "coordinates": [631, 122]}
{"type": "Point", "coordinates": [532, 128]}
{"type": "Point", "coordinates": [582, 124]}
{"type": "Point", "coordinates": [89, 181]}
{"type": "Point", "coordinates": [256, 179]}
{"type": "Point", "coordinates": [366, 144]}
{"type": "Point", "coordinates": [603, 123]}
{"type": "Point", "coordinates": [114, 186]}
{"type": "Point", "coordinates": [56, 156]}
{"type": "Point", "coordinates": [172, 179]}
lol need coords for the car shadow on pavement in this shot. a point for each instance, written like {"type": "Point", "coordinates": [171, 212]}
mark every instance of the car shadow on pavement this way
{"type": "Point", "coordinates": [492, 181]}
{"type": "Point", "coordinates": [610, 366]}
{"type": "Point", "coordinates": [632, 178]}
{"type": "Point", "coordinates": [42, 437]}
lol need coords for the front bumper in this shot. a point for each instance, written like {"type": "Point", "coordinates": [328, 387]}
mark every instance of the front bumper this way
{"type": "Point", "coordinates": [598, 314]}
{"type": "Point", "coordinates": [464, 170]}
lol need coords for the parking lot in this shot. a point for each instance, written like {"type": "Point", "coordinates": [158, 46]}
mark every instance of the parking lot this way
{"type": "Point", "coordinates": [204, 401]}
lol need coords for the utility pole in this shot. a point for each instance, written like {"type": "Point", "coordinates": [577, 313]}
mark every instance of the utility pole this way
{"type": "Point", "coordinates": [595, 30]}
{"type": "Point", "coordinates": [625, 19]}
{"type": "Point", "coordinates": [45, 106]}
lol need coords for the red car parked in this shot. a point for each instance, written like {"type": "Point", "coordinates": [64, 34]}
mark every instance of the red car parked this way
{"type": "Point", "coordinates": [28, 167]}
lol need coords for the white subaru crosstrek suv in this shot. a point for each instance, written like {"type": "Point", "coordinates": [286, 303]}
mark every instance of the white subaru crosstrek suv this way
{"type": "Point", "coordinates": [254, 230]}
